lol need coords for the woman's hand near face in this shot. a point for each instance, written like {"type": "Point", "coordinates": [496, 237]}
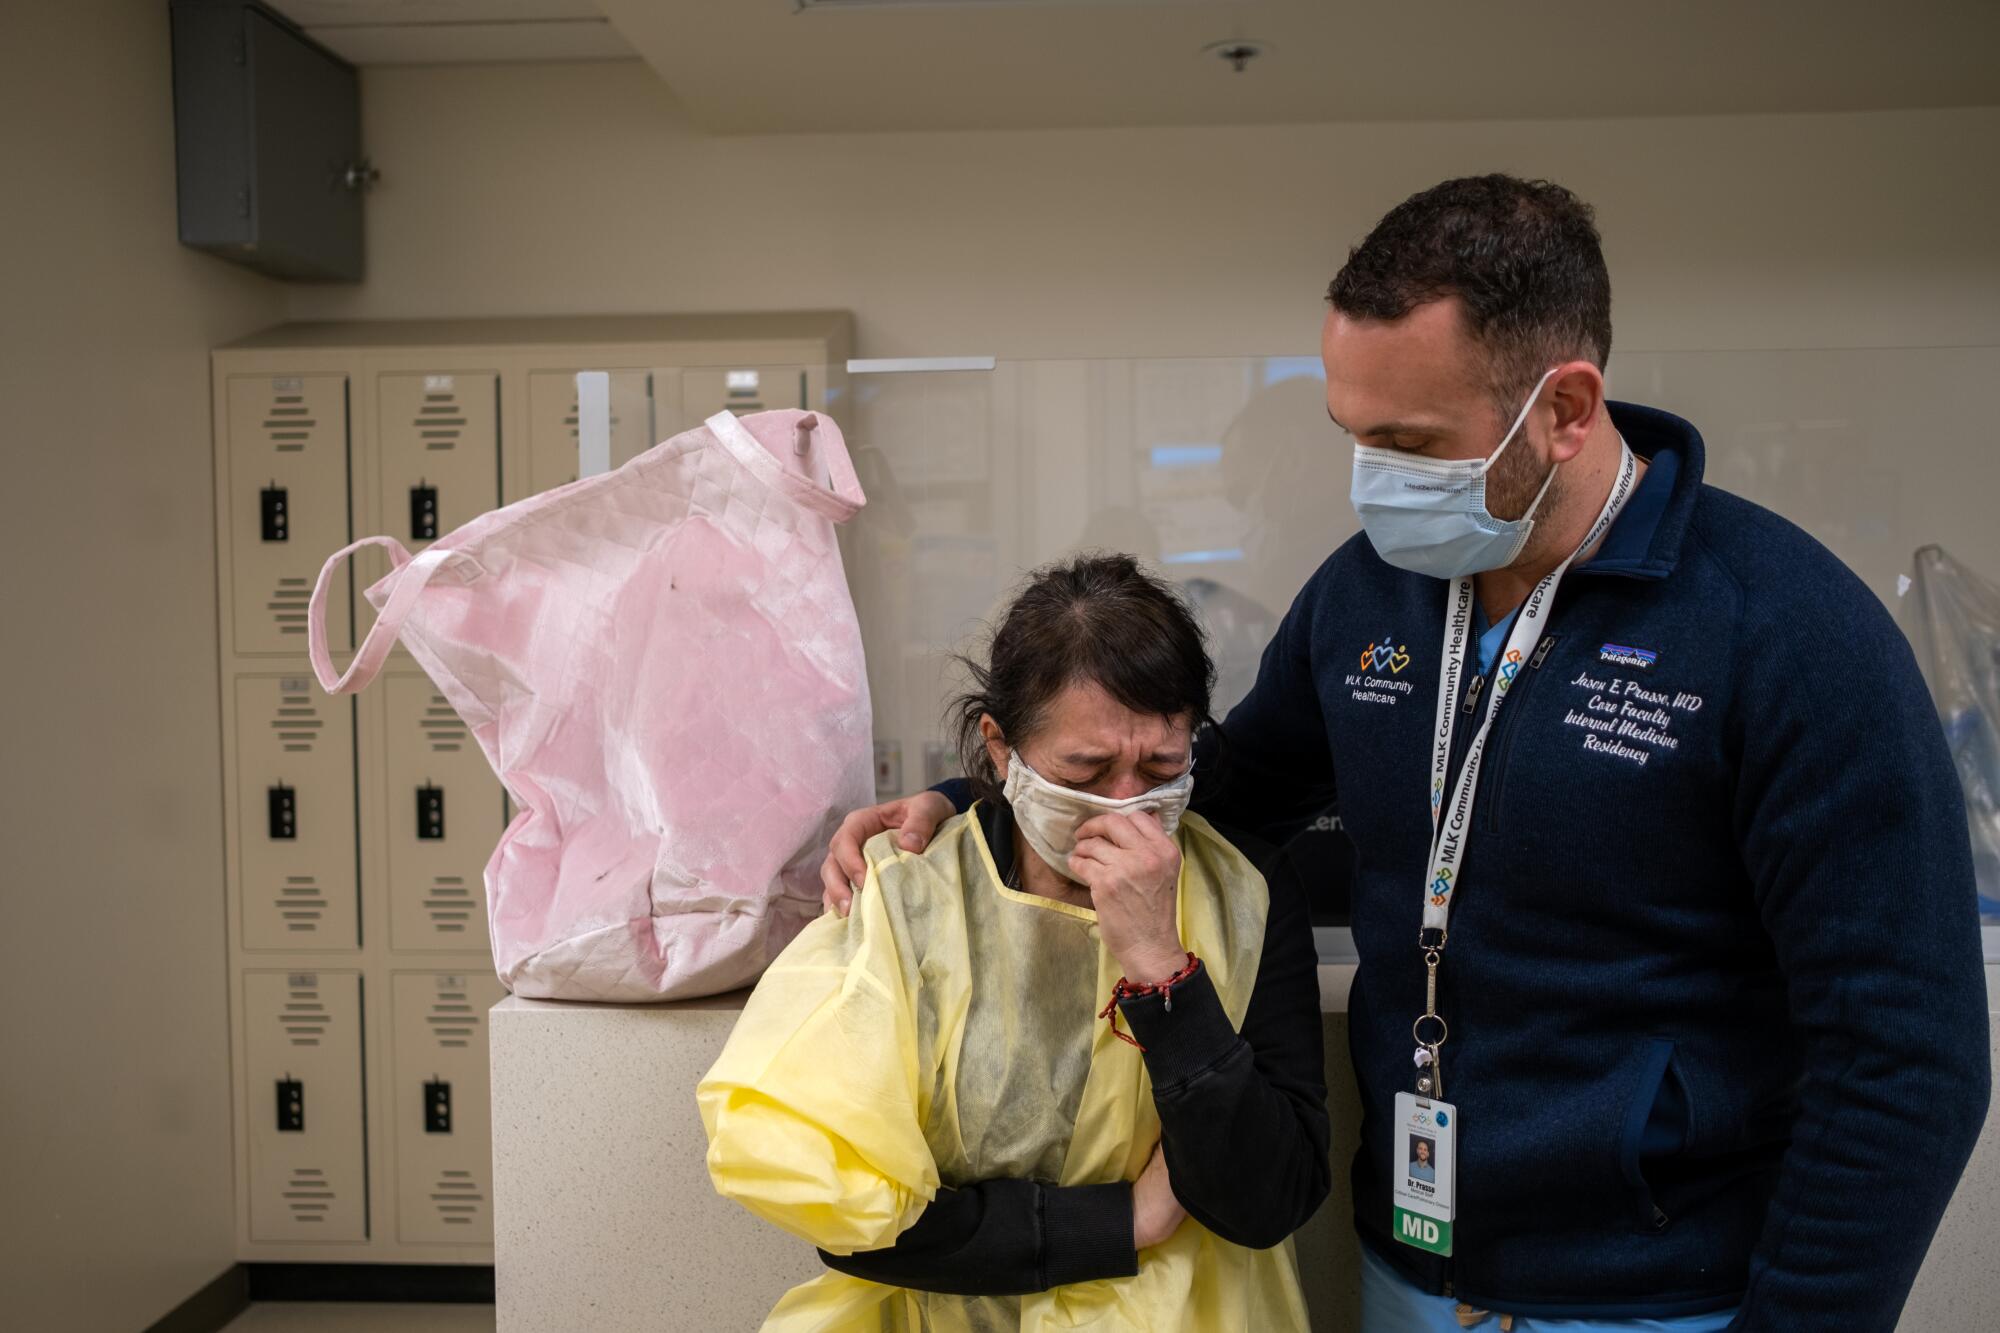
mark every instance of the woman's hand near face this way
{"type": "Point", "coordinates": [1133, 870]}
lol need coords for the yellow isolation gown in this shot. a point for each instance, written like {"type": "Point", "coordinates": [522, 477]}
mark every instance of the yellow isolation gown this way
{"type": "Point", "coordinates": [946, 1032]}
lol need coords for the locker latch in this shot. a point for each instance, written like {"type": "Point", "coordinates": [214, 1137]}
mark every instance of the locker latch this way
{"type": "Point", "coordinates": [291, 1106]}
{"type": "Point", "coordinates": [430, 812]}
{"type": "Point", "coordinates": [274, 515]}
{"type": "Point", "coordinates": [283, 804]}
{"type": "Point", "coordinates": [423, 512]}
{"type": "Point", "coordinates": [437, 1107]}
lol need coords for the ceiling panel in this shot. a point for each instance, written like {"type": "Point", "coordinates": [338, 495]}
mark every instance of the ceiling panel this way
{"type": "Point", "coordinates": [322, 13]}
{"type": "Point", "coordinates": [423, 32]}
{"type": "Point", "coordinates": [777, 65]}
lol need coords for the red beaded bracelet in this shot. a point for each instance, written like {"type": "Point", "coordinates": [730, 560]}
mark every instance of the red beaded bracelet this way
{"type": "Point", "coordinates": [1129, 990]}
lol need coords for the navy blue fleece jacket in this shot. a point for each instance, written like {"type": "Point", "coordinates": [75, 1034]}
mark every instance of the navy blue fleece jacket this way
{"type": "Point", "coordinates": [1718, 1016]}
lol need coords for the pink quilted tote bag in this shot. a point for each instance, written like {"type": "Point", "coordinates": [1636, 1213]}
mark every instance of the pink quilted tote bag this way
{"type": "Point", "coordinates": [663, 666]}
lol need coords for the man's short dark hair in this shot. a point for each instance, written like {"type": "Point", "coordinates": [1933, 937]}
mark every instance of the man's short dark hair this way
{"type": "Point", "coordinates": [1523, 258]}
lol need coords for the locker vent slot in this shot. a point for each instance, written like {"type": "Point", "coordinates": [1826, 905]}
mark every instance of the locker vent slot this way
{"type": "Point", "coordinates": [289, 423]}
{"type": "Point", "coordinates": [297, 722]}
{"type": "Point", "coordinates": [449, 904]}
{"type": "Point", "coordinates": [288, 605]}
{"type": "Point", "coordinates": [452, 1021]}
{"type": "Point", "coordinates": [440, 421]}
{"type": "Point", "coordinates": [570, 420]}
{"type": "Point", "coordinates": [304, 1017]}
{"type": "Point", "coordinates": [309, 1194]}
{"type": "Point", "coordinates": [458, 1198]}
{"type": "Point", "coordinates": [301, 903]}
{"type": "Point", "coordinates": [442, 727]}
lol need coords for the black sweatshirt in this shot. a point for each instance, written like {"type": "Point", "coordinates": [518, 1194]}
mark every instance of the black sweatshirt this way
{"type": "Point", "coordinates": [1243, 1117]}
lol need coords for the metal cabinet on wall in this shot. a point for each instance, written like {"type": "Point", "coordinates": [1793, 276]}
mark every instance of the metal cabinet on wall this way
{"type": "Point", "coordinates": [358, 829]}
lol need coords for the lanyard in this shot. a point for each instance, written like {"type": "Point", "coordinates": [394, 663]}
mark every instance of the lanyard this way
{"type": "Point", "coordinates": [1448, 821]}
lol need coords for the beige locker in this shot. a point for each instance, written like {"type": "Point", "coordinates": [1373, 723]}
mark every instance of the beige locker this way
{"type": "Point", "coordinates": [439, 443]}
{"type": "Point", "coordinates": [552, 423]}
{"type": "Point", "coordinates": [295, 815]}
{"type": "Point", "coordinates": [445, 815]}
{"type": "Point", "coordinates": [287, 480]}
{"type": "Point", "coordinates": [706, 390]}
{"type": "Point", "coordinates": [325, 432]}
{"type": "Point", "coordinates": [302, 1102]}
{"type": "Point", "coordinates": [440, 1113]}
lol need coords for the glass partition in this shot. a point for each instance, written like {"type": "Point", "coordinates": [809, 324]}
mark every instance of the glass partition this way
{"type": "Point", "coordinates": [1227, 475]}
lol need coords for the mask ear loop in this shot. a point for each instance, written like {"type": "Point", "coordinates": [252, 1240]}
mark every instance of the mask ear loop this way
{"type": "Point", "coordinates": [1515, 429]}
{"type": "Point", "coordinates": [1547, 482]}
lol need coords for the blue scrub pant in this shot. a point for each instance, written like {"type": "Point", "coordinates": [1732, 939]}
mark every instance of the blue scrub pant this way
{"type": "Point", "coordinates": [1389, 1304]}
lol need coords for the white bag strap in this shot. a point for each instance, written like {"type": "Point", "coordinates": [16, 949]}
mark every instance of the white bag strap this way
{"type": "Point", "coordinates": [411, 575]}
{"type": "Point", "coordinates": [841, 503]}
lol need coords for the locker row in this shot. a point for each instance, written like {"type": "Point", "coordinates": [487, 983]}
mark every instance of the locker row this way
{"type": "Point", "coordinates": [305, 1107]}
{"type": "Point", "coordinates": [439, 814]}
{"type": "Point", "coordinates": [437, 464]}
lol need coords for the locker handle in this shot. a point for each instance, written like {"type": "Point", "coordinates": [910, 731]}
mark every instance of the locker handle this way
{"type": "Point", "coordinates": [283, 813]}
{"type": "Point", "coordinates": [430, 813]}
{"type": "Point", "coordinates": [437, 1107]}
{"type": "Point", "coordinates": [291, 1106]}
{"type": "Point", "coordinates": [423, 512]}
{"type": "Point", "coordinates": [273, 514]}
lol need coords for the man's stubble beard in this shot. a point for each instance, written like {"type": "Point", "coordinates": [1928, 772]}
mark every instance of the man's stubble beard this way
{"type": "Point", "coordinates": [1511, 486]}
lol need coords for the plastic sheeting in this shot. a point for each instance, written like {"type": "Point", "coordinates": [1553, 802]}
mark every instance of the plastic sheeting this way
{"type": "Point", "coordinates": [1954, 622]}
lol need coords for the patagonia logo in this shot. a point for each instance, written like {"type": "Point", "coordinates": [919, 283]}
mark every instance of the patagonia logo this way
{"type": "Point", "coordinates": [1618, 653]}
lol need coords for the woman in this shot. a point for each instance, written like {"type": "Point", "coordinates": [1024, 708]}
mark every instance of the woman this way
{"type": "Point", "coordinates": [1064, 1067]}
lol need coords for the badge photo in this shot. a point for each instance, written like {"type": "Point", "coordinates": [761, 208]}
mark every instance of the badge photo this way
{"type": "Point", "coordinates": [1422, 1171]}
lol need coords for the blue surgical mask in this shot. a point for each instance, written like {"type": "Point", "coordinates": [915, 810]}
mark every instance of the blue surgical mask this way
{"type": "Point", "coordinates": [1429, 515]}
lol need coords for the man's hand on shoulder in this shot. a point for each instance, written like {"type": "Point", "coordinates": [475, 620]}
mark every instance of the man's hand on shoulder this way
{"type": "Point", "coordinates": [844, 869]}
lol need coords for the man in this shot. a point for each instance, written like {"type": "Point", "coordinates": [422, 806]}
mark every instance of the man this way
{"type": "Point", "coordinates": [1709, 1018]}
{"type": "Point", "coordinates": [1420, 1162]}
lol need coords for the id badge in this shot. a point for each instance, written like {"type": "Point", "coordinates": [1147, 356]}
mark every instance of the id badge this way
{"type": "Point", "coordinates": [1422, 1172]}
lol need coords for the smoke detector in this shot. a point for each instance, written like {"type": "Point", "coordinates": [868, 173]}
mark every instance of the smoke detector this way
{"type": "Point", "coordinates": [1238, 51]}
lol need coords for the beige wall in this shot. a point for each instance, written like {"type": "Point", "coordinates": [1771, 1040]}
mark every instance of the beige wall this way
{"type": "Point", "coordinates": [114, 1100]}
{"type": "Point", "coordinates": [580, 188]}
{"type": "Point", "coordinates": [556, 188]}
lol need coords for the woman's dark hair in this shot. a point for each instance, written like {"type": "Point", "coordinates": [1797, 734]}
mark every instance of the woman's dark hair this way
{"type": "Point", "coordinates": [1523, 258]}
{"type": "Point", "coordinates": [1099, 619]}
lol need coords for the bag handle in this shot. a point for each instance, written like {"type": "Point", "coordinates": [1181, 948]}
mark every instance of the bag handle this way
{"type": "Point", "coordinates": [841, 503]}
{"type": "Point", "coordinates": [410, 573]}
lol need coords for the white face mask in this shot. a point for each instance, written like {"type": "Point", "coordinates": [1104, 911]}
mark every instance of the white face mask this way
{"type": "Point", "coordinates": [1049, 815]}
{"type": "Point", "coordinates": [1429, 515]}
